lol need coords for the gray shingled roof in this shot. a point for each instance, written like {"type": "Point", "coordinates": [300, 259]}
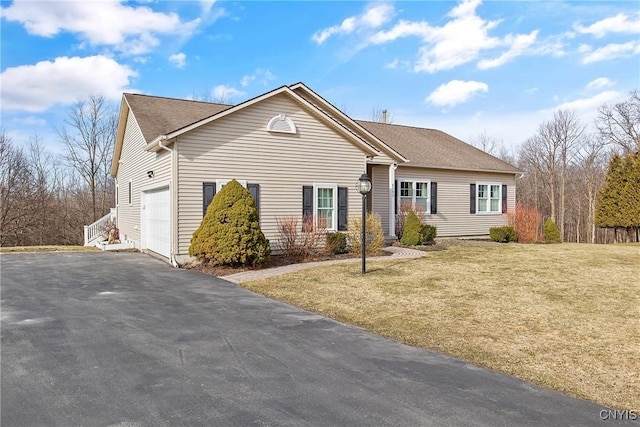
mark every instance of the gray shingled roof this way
{"type": "Point", "coordinates": [435, 149]}
{"type": "Point", "coordinates": [159, 116]}
{"type": "Point", "coordinates": [423, 147]}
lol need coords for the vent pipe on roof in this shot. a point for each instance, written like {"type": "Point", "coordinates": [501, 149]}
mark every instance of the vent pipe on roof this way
{"type": "Point", "coordinates": [384, 116]}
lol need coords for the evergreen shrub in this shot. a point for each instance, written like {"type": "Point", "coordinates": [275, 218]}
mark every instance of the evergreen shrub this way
{"type": "Point", "coordinates": [428, 234]}
{"type": "Point", "coordinates": [230, 233]}
{"type": "Point", "coordinates": [336, 243]}
{"type": "Point", "coordinates": [412, 228]}
{"type": "Point", "coordinates": [551, 233]}
{"type": "Point", "coordinates": [504, 234]}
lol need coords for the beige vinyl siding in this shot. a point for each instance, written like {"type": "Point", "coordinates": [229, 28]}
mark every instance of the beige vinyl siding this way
{"type": "Point", "coordinates": [453, 218]}
{"type": "Point", "coordinates": [380, 159]}
{"type": "Point", "coordinates": [134, 164]}
{"type": "Point", "coordinates": [380, 194]}
{"type": "Point", "coordinates": [239, 146]}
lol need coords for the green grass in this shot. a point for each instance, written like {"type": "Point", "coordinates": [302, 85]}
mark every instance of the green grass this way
{"type": "Point", "coordinates": [563, 316]}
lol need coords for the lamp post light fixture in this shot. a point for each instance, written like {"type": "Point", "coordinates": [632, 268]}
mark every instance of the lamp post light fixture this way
{"type": "Point", "coordinates": [363, 185]}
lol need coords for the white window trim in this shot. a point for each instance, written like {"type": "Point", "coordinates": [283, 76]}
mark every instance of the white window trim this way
{"type": "Point", "coordinates": [334, 216]}
{"type": "Point", "coordinates": [413, 199]}
{"type": "Point", "coordinates": [221, 182]}
{"type": "Point", "coordinates": [489, 211]}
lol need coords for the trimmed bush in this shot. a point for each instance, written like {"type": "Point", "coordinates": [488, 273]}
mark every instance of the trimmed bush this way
{"type": "Point", "coordinates": [401, 216]}
{"type": "Point", "coordinates": [551, 233]}
{"type": "Point", "coordinates": [375, 234]}
{"type": "Point", "coordinates": [230, 233]}
{"type": "Point", "coordinates": [336, 243]}
{"type": "Point", "coordinates": [428, 234]}
{"type": "Point", "coordinates": [412, 227]}
{"type": "Point", "coordinates": [504, 234]}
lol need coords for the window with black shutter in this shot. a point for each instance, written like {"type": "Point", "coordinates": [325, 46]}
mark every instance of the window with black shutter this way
{"type": "Point", "coordinates": [472, 198]}
{"type": "Point", "coordinates": [209, 190]}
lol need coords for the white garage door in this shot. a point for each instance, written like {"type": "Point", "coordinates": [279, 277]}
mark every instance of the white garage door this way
{"type": "Point", "coordinates": [157, 215]}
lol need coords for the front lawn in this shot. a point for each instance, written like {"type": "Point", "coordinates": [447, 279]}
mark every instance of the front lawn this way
{"type": "Point", "coordinates": [563, 316]}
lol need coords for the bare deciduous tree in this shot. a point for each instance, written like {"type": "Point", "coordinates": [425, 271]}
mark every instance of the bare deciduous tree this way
{"type": "Point", "coordinates": [620, 124]}
{"type": "Point", "coordinates": [487, 143]}
{"type": "Point", "coordinates": [15, 193]}
{"type": "Point", "coordinates": [89, 135]}
{"type": "Point", "coordinates": [550, 152]}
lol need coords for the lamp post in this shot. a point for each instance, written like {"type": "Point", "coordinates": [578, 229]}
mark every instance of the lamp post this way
{"type": "Point", "coordinates": [363, 185]}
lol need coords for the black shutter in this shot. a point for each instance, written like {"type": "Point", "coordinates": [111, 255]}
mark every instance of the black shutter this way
{"type": "Point", "coordinates": [254, 189]}
{"type": "Point", "coordinates": [434, 198]}
{"type": "Point", "coordinates": [504, 199]}
{"type": "Point", "coordinates": [395, 198]}
{"type": "Point", "coordinates": [208, 191]}
{"type": "Point", "coordinates": [472, 199]}
{"type": "Point", "coordinates": [342, 208]}
{"type": "Point", "coordinates": [307, 202]}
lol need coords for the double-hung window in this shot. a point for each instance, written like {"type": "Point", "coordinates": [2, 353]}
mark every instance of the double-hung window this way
{"type": "Point", "coordinates": [326, 206]}
{"type": "Point", "coordinates": [489, 197]}
{"type": "Point", "coordinates": [414, 194]}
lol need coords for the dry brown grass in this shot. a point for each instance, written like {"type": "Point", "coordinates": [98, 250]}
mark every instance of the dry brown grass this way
{"type": "Point", "coordinates": [60, 248]}
{"type": "Point", "coordinates": [564, 316]}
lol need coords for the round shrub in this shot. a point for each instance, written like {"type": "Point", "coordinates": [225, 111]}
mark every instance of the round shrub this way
{"type": "Point", "coordinates": [412, 227]}
{"type": "Point", "coordinates": [230, 233]}
{"type": "Point", "coordinates": [336, 243]}
{"type": "Point", "coordinates": [551, 233]}
{"type": "Point", "coordinates": [504, 234]}
{"type": "Point", "coordinates": [428, 233]}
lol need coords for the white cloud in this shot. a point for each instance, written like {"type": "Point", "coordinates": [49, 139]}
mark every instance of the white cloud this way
{"type": "Point", "coordinates": [222, 93]}
{"type": "Point", "coordinates": [519, 44]}
{"type": "Point", "coordinates": [262, 75]}
{"type": "Point", "coordinates": [455, 92]}
{"type": "Point", "coordinates": [131, 30]}
{"type": "Point", "coordinates": [600, 83]}
{"type": "Point", "coordinates": [179, 60]}
{"type": "Point", "coordinates": [373, 17]}
{"type": "Point", "coordinates": [38, 87]}
{"type": "Point", "coordinates": [393, 64]}
{"type": "Point", "coordinates": [460, 40]}
{"type": "Point", "coordinates": [591, 104]}
{"type": "Point", "coordinates": [610, 51]}
{"type": "Point", "coordinates": [620, 23]}
{"type": "Point", "coordinates": [206, 5]}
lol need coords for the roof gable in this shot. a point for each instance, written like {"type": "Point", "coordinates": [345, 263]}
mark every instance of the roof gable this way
{"type": "Point", "coordinates": [158, 116]}
{"type": "Point", "coordinates": [432, 148]}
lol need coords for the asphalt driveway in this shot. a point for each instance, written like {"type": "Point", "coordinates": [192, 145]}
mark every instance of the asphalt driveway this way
{"type": "Point", "coordinates": [122, 339]}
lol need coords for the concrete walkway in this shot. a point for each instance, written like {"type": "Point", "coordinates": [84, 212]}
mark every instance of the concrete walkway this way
{"type": "Point", "coordinates": [247, 276]}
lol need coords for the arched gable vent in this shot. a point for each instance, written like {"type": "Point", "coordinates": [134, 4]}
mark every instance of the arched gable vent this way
{"type": "Point", "coordinates": [281, 123]}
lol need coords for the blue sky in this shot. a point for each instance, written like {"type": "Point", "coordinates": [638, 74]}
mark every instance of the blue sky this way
{"type": "Point", "coordinates": [467, 67]}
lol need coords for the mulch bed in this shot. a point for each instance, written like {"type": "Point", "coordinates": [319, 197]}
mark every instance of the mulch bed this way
{"type": "Point", "coordinates": [275, 261]}
{"type": "Point", "coordinates": [279, 260]}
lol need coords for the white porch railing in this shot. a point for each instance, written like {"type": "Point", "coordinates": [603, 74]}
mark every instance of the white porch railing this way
{"type": "Point", "coordinates": [95, 231]}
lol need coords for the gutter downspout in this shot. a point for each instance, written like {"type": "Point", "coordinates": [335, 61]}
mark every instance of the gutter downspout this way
{"type": "Point", "coordinates": [172, 257]}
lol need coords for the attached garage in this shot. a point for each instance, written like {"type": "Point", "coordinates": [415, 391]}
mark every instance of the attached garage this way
{"type": "Point", "coordinates": [156, 221]}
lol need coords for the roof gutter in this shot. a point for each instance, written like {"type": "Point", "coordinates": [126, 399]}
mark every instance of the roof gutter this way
{"type": "Point", "coordinates": [160, 142]}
